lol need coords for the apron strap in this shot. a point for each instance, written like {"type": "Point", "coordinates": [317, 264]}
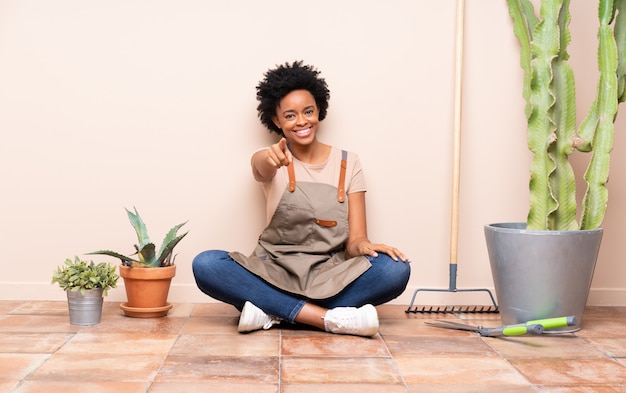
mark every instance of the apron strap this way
{"type": "Point", "coordinates": [341, 194]}
{"type": "Point", "coordinates": [292, 177]}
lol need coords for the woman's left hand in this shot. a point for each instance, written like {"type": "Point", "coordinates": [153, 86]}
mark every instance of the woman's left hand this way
{"type": "Point", "coordinates": [371, 249]}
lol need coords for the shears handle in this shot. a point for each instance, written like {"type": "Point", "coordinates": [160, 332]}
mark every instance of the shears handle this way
{"type": "Point", "coordinates": [553, 323]}
{"type": "Point", "coordinates": [531, 327]}
{"type": "Point", "coordinates": [521, 330]}
{"type": "Point", "coordinates": [513, 330]}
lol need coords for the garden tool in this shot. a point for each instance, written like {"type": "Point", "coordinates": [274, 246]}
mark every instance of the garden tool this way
{"type": "Point", "coordinates": [456, 167]}
{"type": "Point", "coordinates": [531, 327]}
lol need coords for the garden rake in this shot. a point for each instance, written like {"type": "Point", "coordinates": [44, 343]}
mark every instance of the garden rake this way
{"type": "Point", "coordinates": [454, 230]}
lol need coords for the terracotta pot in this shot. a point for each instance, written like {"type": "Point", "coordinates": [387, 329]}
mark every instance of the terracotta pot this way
{"type": "Point", "coordinates": [147, 290]}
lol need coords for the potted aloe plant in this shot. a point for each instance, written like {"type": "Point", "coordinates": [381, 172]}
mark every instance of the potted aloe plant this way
{"type": "Point", "coordinates": [544, 267]}
{"type": "Point", "coordinates": [147, 273]}
{"type": "Point", "coordinates": [85, 284]}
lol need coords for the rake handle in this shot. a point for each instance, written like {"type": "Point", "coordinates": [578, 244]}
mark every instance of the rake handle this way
{"type": "Point", "coordinates": [456, 164]}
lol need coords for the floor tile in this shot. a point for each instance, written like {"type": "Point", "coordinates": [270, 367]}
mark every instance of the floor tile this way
{"type": "Point", "coordinates": [177, 310]}
{"type": "Point", "coordinates": [392, 311]}
{"type": "Point", "coordinates": [181, 310]}
{"type": "Point", "coordinates": [248, 369]}
{"type": "Point", "coordinates": [221, 386]}
{"type": "Point", "coordinates": [98, 368]}
{"type": "Point", "coordinates": [15, 366]}
{"type": "Point", "coordinates": [82, 387]}
{"type": "Point", "coordinates": [339, 370]}
{"type": "Point", "coordinates": [32, 342]}
{"type": "Point", "coordinates": [603, 328]}
{"type": "Point", "coordinates": [8, 386]}
{"type": "Point", "coordinates": [37, 324]}
{"type": "Point", "coordinates": [218, 325]}
{"type": "Point", "coordinates": [572, 372]}
{"type": "Point", "coordinates": [458, 371]}
{"type": "Point", "coordinates": [566, 346]}
{"type": "Point", "coordinates": [202, 345]}
{"type": "Point", "coordinates": [333, 345]}
{"type": "Point", "coordinates": [343, 388]}
{"type": "Point", "coordinates": [418, 327]}
{"type": "Point", "coordinates": [433, 346]}
{"type": "Point", "coordinates": [6, 306]}
{"type": "Point", "coordinates": [215, 310]}
{"type": "Point", "coordinates": [298, 330]}
{"type": "Point", "coordinates": [612, 347]}
{"type": "Point", "coordinates": [120, 343]}
{"type": "Point", "coordinates": [449, 387]}
{"type": "Point", "coordinates": [123, 324]}
{"type": "Point", "coordinates": [582, 389]}
{"type": "Point", "coordinates": [42, 308]}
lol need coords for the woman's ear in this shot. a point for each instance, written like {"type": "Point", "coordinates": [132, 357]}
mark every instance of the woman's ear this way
{"type": "Point", "coordinates": [276, 122]}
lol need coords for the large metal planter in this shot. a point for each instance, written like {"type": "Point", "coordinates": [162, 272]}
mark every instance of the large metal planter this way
{"type": "Point", "coordinates": [541, 274]}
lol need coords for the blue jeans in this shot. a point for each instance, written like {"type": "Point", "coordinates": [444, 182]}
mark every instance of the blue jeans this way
{"type": "Point", "coordinates": [220, 277]}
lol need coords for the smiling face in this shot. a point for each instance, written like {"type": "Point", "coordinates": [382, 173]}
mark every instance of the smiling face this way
{"type": "Point", "coordinates": [297, 115]}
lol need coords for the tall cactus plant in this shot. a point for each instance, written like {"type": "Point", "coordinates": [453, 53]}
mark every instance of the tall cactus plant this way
{"type": "Point", "coordinates": [549, 92]}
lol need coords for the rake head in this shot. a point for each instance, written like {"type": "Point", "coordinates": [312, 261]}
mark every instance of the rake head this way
{"type": "Point", "coordinates": [452, 309]}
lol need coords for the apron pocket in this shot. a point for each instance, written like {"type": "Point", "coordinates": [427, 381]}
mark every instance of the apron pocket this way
{"type": "Point", "coordinates": [295, 224]}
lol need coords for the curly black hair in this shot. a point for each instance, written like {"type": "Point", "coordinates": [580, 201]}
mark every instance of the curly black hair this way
{"type": "Point", "coordinates": [284, 79]}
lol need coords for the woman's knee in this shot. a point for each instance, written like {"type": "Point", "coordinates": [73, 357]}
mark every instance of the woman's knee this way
{"type": "Point", "coordinates": [215, 273]}
{"type": "Point", "coordinates": [207, 262]}
{"type": "Point", "coordinates": [388, 266]}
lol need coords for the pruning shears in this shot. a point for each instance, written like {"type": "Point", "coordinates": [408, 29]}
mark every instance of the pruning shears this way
{"type": "Point", "coordinates": [531, 327]}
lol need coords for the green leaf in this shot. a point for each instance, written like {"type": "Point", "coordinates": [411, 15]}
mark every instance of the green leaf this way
{"type": "Point", "coordinates": [147, 255]}
{"type": "Point", "coordinates": [168, 244]}
{"type": "Point", "coordinates": [140, 228]}
{"type": "Point", "coordinates": [124, 258]}
{"type": "Point", "coordinates": [169, 248]}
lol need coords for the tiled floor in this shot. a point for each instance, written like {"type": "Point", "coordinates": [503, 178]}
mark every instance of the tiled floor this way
{"type": "Point", "coordinates": [196, 348]}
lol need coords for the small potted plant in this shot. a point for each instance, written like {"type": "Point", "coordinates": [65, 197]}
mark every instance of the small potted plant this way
{"type": "Point", "coordinates": [85, 283]}
{"type": "Point", "coordinates": [147, 273]}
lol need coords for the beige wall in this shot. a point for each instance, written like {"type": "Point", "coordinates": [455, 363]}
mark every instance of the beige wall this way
{"type": "Point", "coordinates": [113, 104]}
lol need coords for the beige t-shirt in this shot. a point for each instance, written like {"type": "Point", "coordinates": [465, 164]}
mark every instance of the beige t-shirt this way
{"type": "Point", "coordinates": [327, 173]}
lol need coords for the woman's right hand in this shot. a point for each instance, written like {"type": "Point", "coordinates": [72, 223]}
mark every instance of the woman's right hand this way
{"type": "Point", "coordinates": [278, 154]}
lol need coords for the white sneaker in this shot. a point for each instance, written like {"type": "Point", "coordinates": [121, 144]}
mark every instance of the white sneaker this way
{"type": "Point", "coordinates": [253, 318]}
{"type": "Point", "coordinates": [361, 321]}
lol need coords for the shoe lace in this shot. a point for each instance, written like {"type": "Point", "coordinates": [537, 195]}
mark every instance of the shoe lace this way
{"type": "Point", "coordinates": [344, 320]}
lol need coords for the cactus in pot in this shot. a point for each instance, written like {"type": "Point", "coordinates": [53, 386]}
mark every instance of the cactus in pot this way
{"type": "Point", "coordinates": [552, 276]}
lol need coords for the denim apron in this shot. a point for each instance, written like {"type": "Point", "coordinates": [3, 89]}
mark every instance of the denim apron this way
{"type": "Point", "coordinates": [302, 249]}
